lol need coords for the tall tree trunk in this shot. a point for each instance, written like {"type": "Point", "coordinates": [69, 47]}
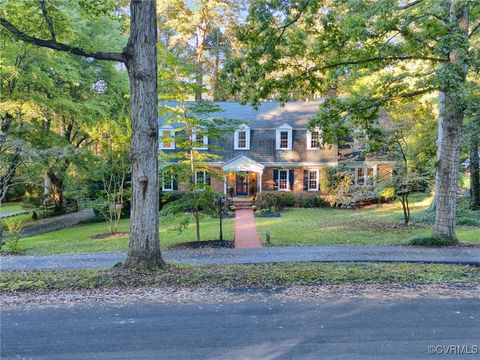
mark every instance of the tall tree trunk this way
{"type": "Point", "coordinates": [216, 69]}
{"type": "Point", "coordinates": [141, 61]}
{"type": "Point", "coordinates": [448, 164]}
{"type": "Point", "coordinates": [200, 50]}
{"type": "Point", "coordinates": [56, 191]}
{"type": "Point", "coordinates": [196, 211]}
{"type": "Point", "coordinates": [140, 58]}
{"type": "Point", "coordinates": [474, 171]}
{"type": "Point", "coordinates": [441, 117]}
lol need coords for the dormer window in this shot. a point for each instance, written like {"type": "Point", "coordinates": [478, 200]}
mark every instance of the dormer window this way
{"type": "Point", "coordinates": [200, 141]}
{"type": "Point", "coordinates": [284, 137]}
{"type": "Point", "coordinates": [313, 140]}
{"type": "Point", "coordinates": [167, 138]}
{"type": "Point", "coordinates": [242, 138]}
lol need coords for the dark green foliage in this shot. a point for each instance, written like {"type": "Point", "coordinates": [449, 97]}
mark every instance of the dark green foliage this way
{"type": "Point", "coordinates": [465, 215]}
{"type": "Point", "coordinates": [167, 197]}
{"type": "Point", "coordinates": [431, 241]}
{"type": "Point", "coordinates": [276, 200]}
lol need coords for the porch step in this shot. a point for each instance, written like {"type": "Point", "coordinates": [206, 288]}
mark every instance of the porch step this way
{"type": "Point", "coordinates": [242, 203]}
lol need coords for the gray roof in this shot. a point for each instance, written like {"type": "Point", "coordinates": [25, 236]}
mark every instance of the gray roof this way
{"type": "Point", "coordinates": [269, 115]}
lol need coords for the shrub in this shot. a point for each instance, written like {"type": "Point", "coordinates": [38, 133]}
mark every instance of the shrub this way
{"type": "Point", "coordinates": [167, 197]}
{"type": "Point", "coordinates": [269, 200]}
{"type": "Point", "coordinates": [308, 200]}
{"type": "Point", "coordinates": [387, 194]}
{"type": "Point", "coordinates": [288, 199]}
{"type": "Point", "coordinates": [275, 200]}
{"type": "Point", "coordinates": [266, 213]}
{"type": "Point", "coordinates": [13, 227]}
{"type": "Point", "coordinates": [353, 196]}
{"type": "Point", "coordinates": [330, 178]}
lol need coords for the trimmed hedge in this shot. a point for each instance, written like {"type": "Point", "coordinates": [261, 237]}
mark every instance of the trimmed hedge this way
{"type": "Point", "coordinates": [276, 200]}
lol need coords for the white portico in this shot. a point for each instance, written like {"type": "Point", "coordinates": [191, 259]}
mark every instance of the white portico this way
{"type": "Point", "coordinates": [246, 174]}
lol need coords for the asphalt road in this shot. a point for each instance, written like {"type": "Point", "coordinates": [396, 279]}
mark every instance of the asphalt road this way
{"type": "Point", "coordinates": [348, 329]}
{"type": "Point", "coordinates": [448, 255]}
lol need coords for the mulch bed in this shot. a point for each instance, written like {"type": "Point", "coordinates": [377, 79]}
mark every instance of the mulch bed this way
{"type": "Point", "coordinates": [110, 236]}
{"type": "Point", "coordinates": [206, 244]}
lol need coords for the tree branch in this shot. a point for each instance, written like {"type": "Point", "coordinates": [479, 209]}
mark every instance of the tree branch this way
{"type": "Point", "coordinates": [377, 59]}
{"type": "Point", "coordinates": [409, 5]}
{"type": "Point", "coordinates": [48, 19]}
{"type": "Point", "coordinates": [474, 30]}
{"type": "Point", "coordinates": [283, 28]}
{"type": "Point", "coordinates": [55, 45]}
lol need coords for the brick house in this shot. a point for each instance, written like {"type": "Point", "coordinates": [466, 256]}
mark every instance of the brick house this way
{"type": "Point", "coordinates": [274, 151]}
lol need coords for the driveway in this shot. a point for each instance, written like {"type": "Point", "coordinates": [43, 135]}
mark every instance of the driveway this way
{"type": "Point", "coordinates": [272, 329]}
{"type": "Point", "coordinates": [450, 255]}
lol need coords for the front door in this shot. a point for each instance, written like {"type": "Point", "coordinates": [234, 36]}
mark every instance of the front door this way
{"type": "Point", "coordinates": [241, 184]}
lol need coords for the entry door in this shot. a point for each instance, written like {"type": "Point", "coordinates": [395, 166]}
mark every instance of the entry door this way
{"type": "Point", "coordinates": [241, 184]}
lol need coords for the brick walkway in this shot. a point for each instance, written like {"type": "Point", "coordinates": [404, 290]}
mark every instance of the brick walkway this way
{"type": "Point", "coordinates": [246, 235]}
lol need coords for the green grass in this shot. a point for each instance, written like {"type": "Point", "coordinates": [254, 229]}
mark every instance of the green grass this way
{"type": "Point", "coordinates": [373, 225]}
{"type": "Point", "coordinates": [78, 239]}
{"type": "Point", "coordinates": [11, 207]}
{"type": "Point", "coordinates": [231, 276]}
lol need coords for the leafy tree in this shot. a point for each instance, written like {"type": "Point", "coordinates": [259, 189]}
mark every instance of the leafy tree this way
{"type": "Point", "coordinates": [373, 54]}
{"type": "Point", "coordinates": [112, 169]}
{"type": "Point", "coordinates": [52, 25]}
{"type": "Point", "coordinates": [201, 33]}
{"type": "Point", "coordinates": [195, 123]}
{"type": "Point", "coordinates": [472, 137]}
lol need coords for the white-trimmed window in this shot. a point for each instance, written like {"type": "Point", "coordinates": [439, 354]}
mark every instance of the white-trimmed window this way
{"type": "Point", "coordinates": [201, 179]}
{"type": "Point", "coordinates": [167, 138]}
{"type": "Point", "coordinates": [313, 140]}
{"type": "Point", "coordinates": [200, 142]}
{"type": "Point", "coordinates": [361, 176]}
{"type": "Point", "coordinates": [284, 137]}
{"type": "Point", "coordinates": [313, 177]}
{"type": "Point", "coordinates": [167, 182]}
{"type": "Point", "coordinates": [283, 180]}
{"type": "Point", "coordinates": [242, 138]}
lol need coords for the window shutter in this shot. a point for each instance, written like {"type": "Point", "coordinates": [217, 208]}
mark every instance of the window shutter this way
{"type": "Point", "coordinates": [207, 178]}
{"type": "Point", "coordinates": [290, 179]}
{"type": "Point", "coordinates": [275, 179]}
{"type": "Point", "coordinates": [305, 179]}
{"type": "Point", "coordinates": [235, 139]}
{"type": "Point", "coordinates": [175, 184]}
{"type": "Point", "coordinates": [247, 138]}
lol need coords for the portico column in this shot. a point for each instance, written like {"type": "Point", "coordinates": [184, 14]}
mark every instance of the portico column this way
{"type": "Point", "coordinates": [260, 182]}
{"type": "Point", "coordinates": [225, 184]}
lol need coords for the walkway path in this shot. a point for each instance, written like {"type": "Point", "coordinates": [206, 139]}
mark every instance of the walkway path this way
{"type": "Point", "coordinates": [57, 222]}
{"type": "Point", "coordinates": [6, 214]}
{"type": "Point", "coordinates": [246, 236]}
{"type": "Point", "coordinates": [453, 255]}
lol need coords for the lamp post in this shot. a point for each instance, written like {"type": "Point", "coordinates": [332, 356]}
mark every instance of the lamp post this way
{"type": "Point", "coordinates": [220, 203]}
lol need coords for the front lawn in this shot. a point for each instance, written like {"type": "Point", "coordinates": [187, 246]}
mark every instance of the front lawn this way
{"type": "Point", "coordinates": [373, 225]}
{"type": "Point", "coordinates": [11, 207]}
{"type": "Point", "coordinates": [78, 239]}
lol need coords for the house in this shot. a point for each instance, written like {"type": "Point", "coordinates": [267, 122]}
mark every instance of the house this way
{"type": "Point", "coordinates": [274, 151]}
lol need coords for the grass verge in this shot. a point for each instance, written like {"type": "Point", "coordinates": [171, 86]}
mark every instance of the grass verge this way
{"type": "Point", "coordinates": [431, 241]}
{"type": "Point", "coordinates": [231, 276]}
